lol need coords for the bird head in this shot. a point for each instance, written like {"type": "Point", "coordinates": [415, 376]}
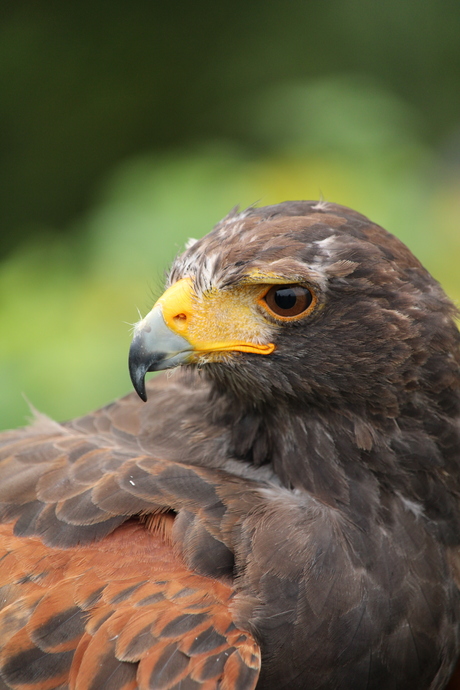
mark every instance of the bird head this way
{"type": "Point", "coordinates": [307, 302]}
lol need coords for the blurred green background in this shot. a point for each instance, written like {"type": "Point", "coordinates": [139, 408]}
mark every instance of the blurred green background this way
{"type": "Point", "coordinates": [128, 127]}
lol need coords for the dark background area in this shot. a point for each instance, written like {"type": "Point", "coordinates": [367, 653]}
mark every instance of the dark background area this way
{"type": "Point", "coordinates": [126, 127]}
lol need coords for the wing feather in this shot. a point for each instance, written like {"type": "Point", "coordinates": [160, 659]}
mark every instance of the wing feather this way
{"type": "Point", "coordinates": [124, 613]}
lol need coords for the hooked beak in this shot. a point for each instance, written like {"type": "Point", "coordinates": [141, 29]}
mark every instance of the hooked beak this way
{"type": "Point", "coordinates": [155, 347]}
{"type": "Point", "coordinates": [183, 327]}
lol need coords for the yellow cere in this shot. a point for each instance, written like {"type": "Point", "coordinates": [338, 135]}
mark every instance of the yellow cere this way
{"type": "Point", "coordinates": [219, 320]}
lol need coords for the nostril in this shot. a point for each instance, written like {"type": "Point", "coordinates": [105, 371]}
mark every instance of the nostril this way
{"type": "Point", "coordinates": [180, 317]}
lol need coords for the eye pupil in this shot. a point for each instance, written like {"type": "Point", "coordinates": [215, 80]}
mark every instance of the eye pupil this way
{"type": "Point", "coordinates": [285, 298]}
{"type": "Point", "coordinates": [288, 300]}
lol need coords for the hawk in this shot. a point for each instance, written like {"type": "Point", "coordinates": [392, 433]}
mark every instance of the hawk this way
{"type": "Point", "coordinates": [283, 511]}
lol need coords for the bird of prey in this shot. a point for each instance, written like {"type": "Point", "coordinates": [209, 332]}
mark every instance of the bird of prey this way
{"type": "Point", "coordinates": [283, 512]}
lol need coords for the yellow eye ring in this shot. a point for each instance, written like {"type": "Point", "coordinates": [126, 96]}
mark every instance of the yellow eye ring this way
{"type": "Point", "coordinates": [288, 302]}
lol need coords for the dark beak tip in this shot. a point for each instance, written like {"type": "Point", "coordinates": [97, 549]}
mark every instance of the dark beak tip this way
{"type": "Point", "coordinates": [137, 370]}
{"type": "Point", "coordinates": [141, 393]}
{"type": "Point", "coordinates": [138, 381]}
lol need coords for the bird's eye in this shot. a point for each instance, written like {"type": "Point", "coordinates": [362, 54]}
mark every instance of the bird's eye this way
{"type": "Point", "coordinates": [288, 300]}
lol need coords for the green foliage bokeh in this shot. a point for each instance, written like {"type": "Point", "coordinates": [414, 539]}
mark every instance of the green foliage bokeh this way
{"type": "Point", "coordinates": [67, 297]}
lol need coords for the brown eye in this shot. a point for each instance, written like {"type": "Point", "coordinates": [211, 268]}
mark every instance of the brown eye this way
{"type": "Point", "coordinates": [288, 300]}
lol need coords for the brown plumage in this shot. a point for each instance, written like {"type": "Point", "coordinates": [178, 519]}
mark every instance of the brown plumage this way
{"type": "Point", "coordinates": [282, 512]}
